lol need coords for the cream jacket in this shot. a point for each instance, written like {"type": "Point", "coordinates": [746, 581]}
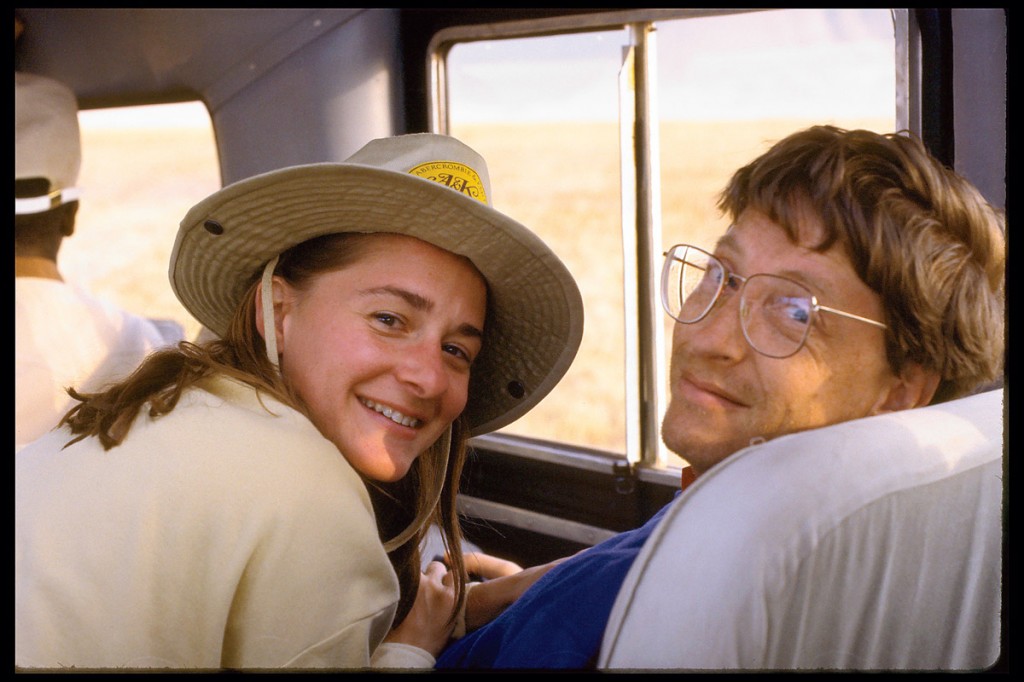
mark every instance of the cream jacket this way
{"type": "Point", "coordinates": [226, 534]}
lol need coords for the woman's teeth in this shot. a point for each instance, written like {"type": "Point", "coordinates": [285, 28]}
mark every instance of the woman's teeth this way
{"type": "Point", "coordinates": [393, 415]}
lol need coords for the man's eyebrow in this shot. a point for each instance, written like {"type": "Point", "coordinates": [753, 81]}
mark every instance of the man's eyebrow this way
{"type": "Point", "coordinates": [419, 303]}
{"type": "Point", "coordinates": [820, 287]}
{"type": "Point", "coordinates": [729, 242]}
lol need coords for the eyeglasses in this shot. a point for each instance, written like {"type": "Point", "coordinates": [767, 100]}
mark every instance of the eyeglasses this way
{"type": "Point", "coordinates": [776, 313]}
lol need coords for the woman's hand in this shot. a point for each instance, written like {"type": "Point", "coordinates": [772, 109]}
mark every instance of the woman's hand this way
{"type": "Point", "coordinates": [427, 625]}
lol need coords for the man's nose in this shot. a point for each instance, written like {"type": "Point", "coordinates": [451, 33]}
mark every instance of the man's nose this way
{"type": "Point", "coordinates": [717, 335]}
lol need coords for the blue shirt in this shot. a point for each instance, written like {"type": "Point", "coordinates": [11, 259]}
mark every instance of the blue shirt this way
{"type": "Point", "coordinates": [559, 622]}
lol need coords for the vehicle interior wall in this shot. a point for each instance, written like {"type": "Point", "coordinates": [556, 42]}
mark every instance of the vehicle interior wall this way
{"type": "Point", "coordinates": [539, 497]}
{"type": "Point", "coordinates": [979, 103]}
{"type": "Point", "coordinates": [334, 72]}
{"type": "Point", "coordinates": [333, 90]}
{"type": "Point", "coordinates": [964, 63]}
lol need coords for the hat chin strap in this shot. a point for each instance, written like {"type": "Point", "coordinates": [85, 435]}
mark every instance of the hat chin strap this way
{"type": "Point", "coordinates": [267, 300]}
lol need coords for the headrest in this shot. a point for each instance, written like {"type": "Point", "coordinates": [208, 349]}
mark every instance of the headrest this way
{"type": "Point", "coordinates": [871, 544]}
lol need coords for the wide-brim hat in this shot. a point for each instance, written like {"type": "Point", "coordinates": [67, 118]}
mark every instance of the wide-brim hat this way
{"type": "Point", "coordinates": [47, 143]}
{"type": "Point", "coordinates": [432, 187]}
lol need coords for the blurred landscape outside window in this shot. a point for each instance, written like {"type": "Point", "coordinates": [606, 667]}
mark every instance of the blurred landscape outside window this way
{"type": "Point", "coordinates": [143, 168]}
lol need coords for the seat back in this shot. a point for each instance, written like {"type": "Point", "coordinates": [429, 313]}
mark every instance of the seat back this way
{"type": "Point", "coordinates": [874, 544]}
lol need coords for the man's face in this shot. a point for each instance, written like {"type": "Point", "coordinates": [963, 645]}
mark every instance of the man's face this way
{"type": "Point", "coordinates": [724, 393]}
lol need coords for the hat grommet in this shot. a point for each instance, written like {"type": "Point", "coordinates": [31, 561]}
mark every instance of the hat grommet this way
{"type": "Point", "coordinates": [213, 227]}
{"type": "Point", "coordinates": [516, 389]}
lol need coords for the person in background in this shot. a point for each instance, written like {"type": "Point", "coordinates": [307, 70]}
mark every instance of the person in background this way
{"type": "Point", "coordinates": [64, 336]}
{"type": "Point", "coordinates": [859, 276]}
{"type": "Point", "coordinates": [259, 500]}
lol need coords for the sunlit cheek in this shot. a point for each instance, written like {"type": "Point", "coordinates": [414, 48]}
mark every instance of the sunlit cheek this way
{"type": "Point", "coordinates": [857, 382]}
{"type": "Point", "coordinates": [797, 391]}
{"type": "Point", "coordinates": [679, 346]}
{"type": "Point", "coordinates": [679, 333]}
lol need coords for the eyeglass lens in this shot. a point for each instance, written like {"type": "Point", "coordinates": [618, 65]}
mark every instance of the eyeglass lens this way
{"type": "Point", "coordinates": [775, 313]}
{"type": "Point", "coordinates": [693, 280]}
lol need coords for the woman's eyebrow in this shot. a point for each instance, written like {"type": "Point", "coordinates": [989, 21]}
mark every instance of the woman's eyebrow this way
{"type": "Point", "coordinates": [415, 300]}
{"type": "Point", "coordinates": [419, 303]}
{"type": "Point", "coordinates": [471, 331]}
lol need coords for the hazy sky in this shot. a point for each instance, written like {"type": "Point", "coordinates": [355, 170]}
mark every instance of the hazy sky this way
{"type": "Point", "coordinates": [776, 63]}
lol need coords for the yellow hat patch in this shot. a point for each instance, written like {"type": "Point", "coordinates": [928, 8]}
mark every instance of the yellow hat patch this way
{"type": "Point", "coordinates": [454, 175]}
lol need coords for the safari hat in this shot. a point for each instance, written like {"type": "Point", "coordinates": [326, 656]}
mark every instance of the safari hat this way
{"type": "Point", "coordinates": [47, 146]}
{"type": "Point", "coordinates": [432, 187]}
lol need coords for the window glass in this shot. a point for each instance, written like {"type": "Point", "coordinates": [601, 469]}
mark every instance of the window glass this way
{"type": "Point", "coordinates": [143, 168]}
{"type": "Point", "coordinates": [544, 113]}
{"type": "Point", "coordinates": [730, 86]}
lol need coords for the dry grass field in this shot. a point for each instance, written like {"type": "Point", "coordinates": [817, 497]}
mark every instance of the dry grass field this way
{"type": "Point", "coordinates": [562, 180]}
{"type": "Point", "coordinates": [137, 184]}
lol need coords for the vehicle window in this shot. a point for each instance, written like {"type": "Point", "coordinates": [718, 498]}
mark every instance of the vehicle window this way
{"type": "Point", "coordinates": [542, 111]}
{"type": "Point", "coordinates": [142, 169]}
{"type": "Point", "coordinates": [545, 113]}
{"type": "Point", "coordinates": [731, 86]}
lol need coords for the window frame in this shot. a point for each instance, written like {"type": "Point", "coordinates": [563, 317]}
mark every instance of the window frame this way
{"type": "Point", "coordinates": [641, 193]}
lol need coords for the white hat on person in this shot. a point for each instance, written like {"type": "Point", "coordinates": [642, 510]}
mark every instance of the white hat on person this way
{"type": "Point", "coordinates": [47, 144]}
{"type": "Point", "coordinates": [424, 185]}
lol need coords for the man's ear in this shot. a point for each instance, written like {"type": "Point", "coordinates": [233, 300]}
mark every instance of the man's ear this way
{"type": "Point", "coordinates": [67, 218]}
{"type": "Point", "coordinates": [914, 387]}
{"type": "Point", "coordinates": [282, 303]}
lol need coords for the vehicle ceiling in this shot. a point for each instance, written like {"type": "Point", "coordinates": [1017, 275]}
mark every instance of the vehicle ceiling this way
{"type": "Point", "coordinates": [140, 56]}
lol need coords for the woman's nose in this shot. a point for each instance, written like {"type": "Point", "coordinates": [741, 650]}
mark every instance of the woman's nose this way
{"type": "Point", "coordinates": [423, 366]}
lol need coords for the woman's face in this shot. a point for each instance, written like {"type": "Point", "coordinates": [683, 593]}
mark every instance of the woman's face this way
{"type": "Point", "coordinates": [380, 351]}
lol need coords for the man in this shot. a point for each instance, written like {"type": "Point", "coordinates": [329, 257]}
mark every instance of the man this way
{"type": "Point", "coordinates": [859, 277]}
{"type": "Point", "coordinates": [63, 335]}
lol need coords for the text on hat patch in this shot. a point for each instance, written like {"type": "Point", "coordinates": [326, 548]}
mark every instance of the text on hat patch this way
{"type": "Point", "coordinates": [454, 175]}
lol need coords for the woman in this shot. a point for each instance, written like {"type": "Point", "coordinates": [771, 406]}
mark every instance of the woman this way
{"type": "Point", "coordinates": [258, 500]}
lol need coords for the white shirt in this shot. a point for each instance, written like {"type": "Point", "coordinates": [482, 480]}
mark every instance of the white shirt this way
{"type": "Point", "coordinates": [64, 337]}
